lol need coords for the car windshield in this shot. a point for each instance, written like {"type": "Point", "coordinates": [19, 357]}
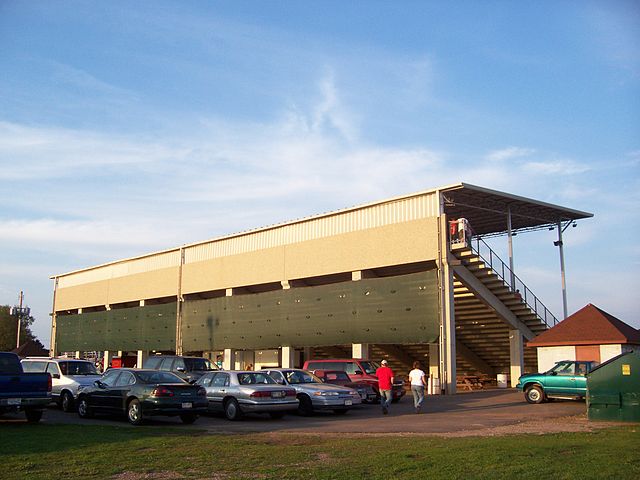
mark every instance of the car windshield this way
{"type": "Point", "coordinates": [370, 367]}
{"type": "Point", "coordinates": [159, 377]}
{"type": "Point", "coordinates": [564, 368]}
{"type": "Point", "coordinates": [255, 379]}
{"type": "Point", "coordinates": [199, 364]}
{"type": "Point", "coordinates": [78, 368]}
{"type": "Point", "coordinates": [295, 377]}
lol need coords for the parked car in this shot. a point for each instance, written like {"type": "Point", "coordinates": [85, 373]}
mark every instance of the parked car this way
{"type": "Point", "coordinates": [313, 394]}
{"type": "Point", "coordinates": [140, 394]}
{"type": "Point", "coordinates": [187, 368]}
{"type": "Point", "coordinates": [359, 371]}
{"type": "Point", "coordinates": [336, 377]}
{"type": "Point", "coordinates": [20, 391]}
{"type": "Point", "coordinates": [238, 392]}
{"type": "Point", "coordinates": [67, 376]}
{"type": "Point", "coordinates": [567, 379]}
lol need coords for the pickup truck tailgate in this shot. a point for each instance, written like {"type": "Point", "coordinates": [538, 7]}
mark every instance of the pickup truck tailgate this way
{"type": "Point", "coordinates": [24, 385]}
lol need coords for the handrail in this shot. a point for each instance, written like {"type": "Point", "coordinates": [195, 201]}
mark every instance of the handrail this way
{"type": "Point", "coordinates": [511, 279]}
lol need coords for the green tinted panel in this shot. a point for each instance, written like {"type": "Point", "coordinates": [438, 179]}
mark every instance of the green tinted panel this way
{"type": "Point", "coordinates": [150, 327]}
{"type": "Point", "coordinates": [402, 309]}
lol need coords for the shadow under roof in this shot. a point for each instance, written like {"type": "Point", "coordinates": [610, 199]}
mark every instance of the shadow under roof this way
{"type": "Point", "coordinates": [487, 210]}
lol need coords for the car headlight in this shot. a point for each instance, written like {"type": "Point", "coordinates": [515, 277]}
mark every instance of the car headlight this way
{"type": "Point", "coordinates": [319, 393]}
{"type": "Point", "coordinates": [355, 394]}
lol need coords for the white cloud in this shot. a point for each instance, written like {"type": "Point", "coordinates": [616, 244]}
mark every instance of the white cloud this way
{"type": "Point", "coordinates": [557, 167]}
{"type": "Point", "coordinates": [508, 153]}
{"type": "Point", "coordinates": [28, 152]}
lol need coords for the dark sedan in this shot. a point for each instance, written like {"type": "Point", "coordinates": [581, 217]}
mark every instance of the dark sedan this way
{"type": "Point", "coordinates": [140, 394]}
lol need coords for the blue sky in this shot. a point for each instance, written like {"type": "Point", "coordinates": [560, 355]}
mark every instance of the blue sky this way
{"type": "Point", "coordinates": [128, 127]}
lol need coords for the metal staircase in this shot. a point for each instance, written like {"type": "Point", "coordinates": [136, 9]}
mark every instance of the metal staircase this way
{"type": "Point", "coordinates": [479, 328]}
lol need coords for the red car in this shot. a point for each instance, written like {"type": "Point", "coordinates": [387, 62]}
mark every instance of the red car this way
{"type": "Point", "coordinates": [336, 377]}
{"type": "Point", "coordinates": [358, 371]}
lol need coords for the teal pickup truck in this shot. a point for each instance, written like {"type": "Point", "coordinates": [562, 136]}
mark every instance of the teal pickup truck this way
{"type": "Point", "coordinates": [567, 379]}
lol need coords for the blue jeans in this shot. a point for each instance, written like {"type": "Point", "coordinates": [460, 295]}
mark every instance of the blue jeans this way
{"type": "Point", "coordinates": [385, 398]}
{"type": "Point", "coordinates": [418, 395]}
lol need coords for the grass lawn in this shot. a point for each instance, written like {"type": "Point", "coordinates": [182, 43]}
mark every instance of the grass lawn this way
{"type": "Point", "coordinates": [123, 453]}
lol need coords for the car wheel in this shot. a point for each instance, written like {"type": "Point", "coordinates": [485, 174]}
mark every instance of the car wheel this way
{"type": "Point", "coordinates": [305, 407]}
{"type": "Point", "coordinates": [134, 412]}
{"type": "Point", "coordinates": [84, 410]}
{"type": "Point", "coordinates": [188, 418]}
{"type": "Point", "coordinates": [232, 410]}
{"type": "Point", "coordinates": [33, 416]}
{"type": "Point", "coordinates": [66, 402]}
{"type": "Point", "coordinates": [534, 394]}
{"type": "Point", "coordinates": [340, 412]}
{"type": "Point", "coordinates": [276, 415]}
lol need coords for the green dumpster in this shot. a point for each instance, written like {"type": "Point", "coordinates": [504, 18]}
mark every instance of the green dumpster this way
{"type": "Point", "coordinates": [613, 389]}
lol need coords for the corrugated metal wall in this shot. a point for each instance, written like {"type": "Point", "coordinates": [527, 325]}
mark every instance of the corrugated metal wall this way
{"type": "Point", "coordinates": [402, 210]}
{"type": "Point", "coordinates": [395, 211]}
{"type": "Point", "coordinates": [122, 269]}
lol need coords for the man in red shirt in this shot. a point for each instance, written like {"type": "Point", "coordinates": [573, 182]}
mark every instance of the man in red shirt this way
{"type": "Point", "coordinates": [385, 383]}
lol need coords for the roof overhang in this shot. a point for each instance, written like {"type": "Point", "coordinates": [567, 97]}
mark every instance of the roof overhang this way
{"type": "Point", "coordinates": [487, 210]}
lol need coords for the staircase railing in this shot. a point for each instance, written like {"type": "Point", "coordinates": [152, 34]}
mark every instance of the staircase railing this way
{"type": "Point", "coordinates": [517, 286]}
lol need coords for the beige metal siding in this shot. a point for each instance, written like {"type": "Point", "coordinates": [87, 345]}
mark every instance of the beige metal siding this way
{"type": "Point", "coordinates": [376, 247]}
{"type": "Point", "coordinates": [399, 211]}
{"type": "Point", "coordinates": [134, 266]}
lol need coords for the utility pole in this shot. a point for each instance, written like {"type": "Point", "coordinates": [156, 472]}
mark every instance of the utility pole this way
{"type": "Point", "coordinates": [19, 318]}
{"type": "Point", "coordinates": [19, 311]}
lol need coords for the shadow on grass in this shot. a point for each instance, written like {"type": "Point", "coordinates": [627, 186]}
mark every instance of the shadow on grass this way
{"type": "Point", "coordinates": [24, 438]}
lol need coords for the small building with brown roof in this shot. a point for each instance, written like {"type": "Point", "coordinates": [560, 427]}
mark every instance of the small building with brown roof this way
{"type": "Point", "coordinates": [31, 348]}
{"type": "Point", "coordinates": [590, 334]}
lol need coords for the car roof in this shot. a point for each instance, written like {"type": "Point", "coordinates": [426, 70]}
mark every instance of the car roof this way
{"type": "Point", "coordinates": [58, 359]}
{"type": "Point", "coordinates": [282, 369]}
{"type": "Point", "coordinates": [176, 356]}
{"type": "Point", "coordinates": [325, 360]}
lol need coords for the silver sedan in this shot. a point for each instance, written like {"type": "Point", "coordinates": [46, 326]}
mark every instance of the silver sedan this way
{"type": "Point", "coordinates": [313, 393]}
{"type": "Point", "coordinates": [238, 392]}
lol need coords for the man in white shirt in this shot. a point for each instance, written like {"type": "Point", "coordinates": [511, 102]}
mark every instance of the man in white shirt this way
{"type": "Point", "coordinates": [417, 379]}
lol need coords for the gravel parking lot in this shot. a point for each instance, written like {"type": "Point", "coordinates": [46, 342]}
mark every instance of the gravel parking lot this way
{"type": "Point", "coordinates": [492, 412]}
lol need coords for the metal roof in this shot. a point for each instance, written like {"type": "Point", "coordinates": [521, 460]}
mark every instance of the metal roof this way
{"type": "Point", "coordinates": [487, 210]}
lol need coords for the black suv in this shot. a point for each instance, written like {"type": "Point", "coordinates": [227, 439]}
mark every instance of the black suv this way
{"type": "Point", "coordinates": [188, 368]}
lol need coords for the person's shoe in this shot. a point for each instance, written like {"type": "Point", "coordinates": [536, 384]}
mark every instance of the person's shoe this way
{"type": "Point", "coordinates": [417, 409]}
{"type": "Point", "coordinates": [384, 410]}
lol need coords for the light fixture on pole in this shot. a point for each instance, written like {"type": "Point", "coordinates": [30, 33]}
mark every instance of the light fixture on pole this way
{"type": "Point", "coordinates": [20, 312]}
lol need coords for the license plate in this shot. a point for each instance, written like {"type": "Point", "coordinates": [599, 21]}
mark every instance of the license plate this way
{"type": "Point", "coordinates": [348, 402]}
{"type": "Point", "coordinates": [13, 401]}
{"type": "Point", "coordinates": [187, 405]}
{"type": "Point", "coordinates": [277, 394]}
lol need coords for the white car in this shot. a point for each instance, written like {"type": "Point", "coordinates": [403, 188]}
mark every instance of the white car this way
{"type": "Point", "coordinates": [313, 393]}
{"type": "Point", "coordinates": [67, 376]}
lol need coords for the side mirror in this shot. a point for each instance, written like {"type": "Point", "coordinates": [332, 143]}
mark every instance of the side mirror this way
{"type": "Point", "coordinates": [358, 372]}
{"type": "Point", "coordinates": [180, 369]}
{"type": "Point", "coordinates": [55, 375]}
{"type": "Point", "coordinates": [98, 384]}
{"type": "Point", "coordinates": [554, 373]}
